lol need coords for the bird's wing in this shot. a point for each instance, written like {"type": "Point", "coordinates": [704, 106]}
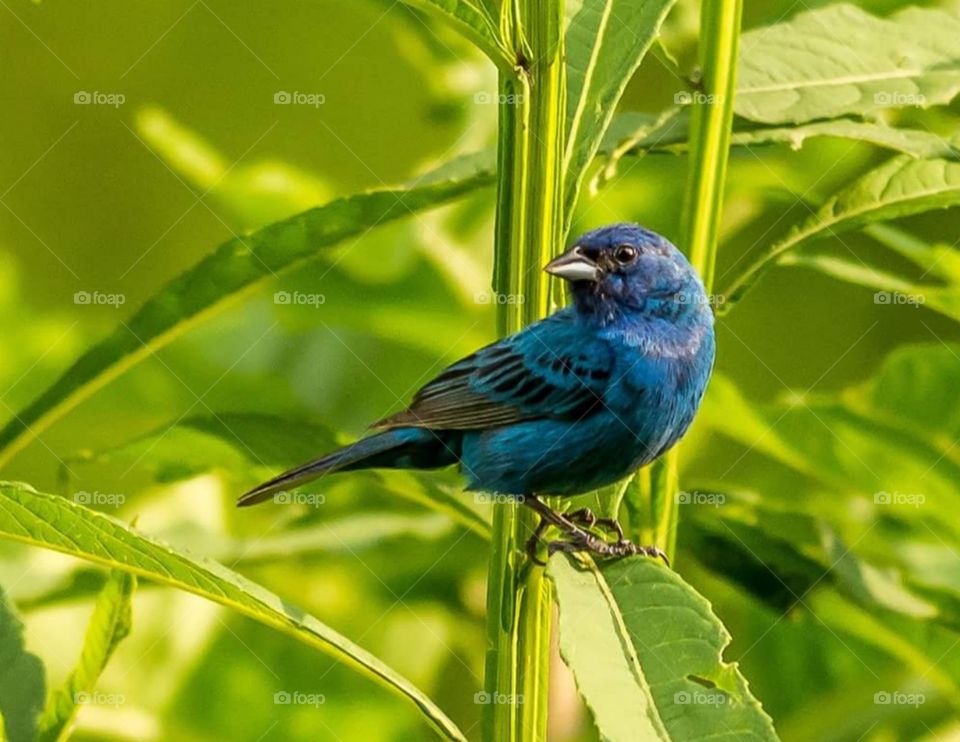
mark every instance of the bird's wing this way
{"type": "Point", "coordinates": [549, 370]}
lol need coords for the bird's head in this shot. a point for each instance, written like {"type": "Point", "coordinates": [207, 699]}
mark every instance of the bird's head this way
{"type": "Point", "coordinates": [624, 269]}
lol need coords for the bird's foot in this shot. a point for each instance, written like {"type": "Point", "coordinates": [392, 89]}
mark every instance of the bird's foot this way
{"type": "Point", "coordinates": [586, 518]}
{"type": "Point", "coordinates": [578, 539]}
{"type": "Point", "coordinates": [592, 545]}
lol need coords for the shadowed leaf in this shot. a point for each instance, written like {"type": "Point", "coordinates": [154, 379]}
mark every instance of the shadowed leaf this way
{"type": "Point", "coordinates": [21, 679]}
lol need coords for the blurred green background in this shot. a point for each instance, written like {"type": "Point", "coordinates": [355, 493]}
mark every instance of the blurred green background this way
{"type": "Point", "coordinates": [119, 199]}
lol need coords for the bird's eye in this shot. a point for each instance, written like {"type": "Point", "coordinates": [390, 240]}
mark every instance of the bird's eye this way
{"type": "Point", "coordinates": [625, 254]}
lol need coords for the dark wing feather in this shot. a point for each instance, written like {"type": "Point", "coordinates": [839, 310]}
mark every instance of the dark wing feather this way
{"type": "Point", "coordinates": [549, 370]}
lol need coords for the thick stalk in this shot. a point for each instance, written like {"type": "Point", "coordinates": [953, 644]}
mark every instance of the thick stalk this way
{"type": "Point", "coordinates": [703, 204]}
{"type": "Point", "coordinates": [529, 230]}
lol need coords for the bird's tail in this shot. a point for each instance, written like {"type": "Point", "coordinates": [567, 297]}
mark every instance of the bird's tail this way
{"type": "Point", "coordinates": [401, 448]}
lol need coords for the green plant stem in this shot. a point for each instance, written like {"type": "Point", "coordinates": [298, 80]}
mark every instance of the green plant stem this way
{"type": "Point", "coordinates": [710, 128]}
{"type": "Point", "coordinates": [529, 229]}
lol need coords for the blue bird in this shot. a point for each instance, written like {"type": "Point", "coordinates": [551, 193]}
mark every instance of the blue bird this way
{"type": "Point", "coordinates": [571, 403]}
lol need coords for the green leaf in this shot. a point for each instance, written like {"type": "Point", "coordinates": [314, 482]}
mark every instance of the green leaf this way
{"type": "Point", "coordinates": [875, 465]}
{"type": "Point", "coordinates": [109, 625]}
{"type": "Point", "coordinates": [232, 272]}
{"type": "Point", "coordinates": [251, 195]}
{"type": "Point", "coordinates": [353, 534]}
{"type": "Point", "coordinates": [841, 60]}
{"type": "Point", "coordinates": [940, 260]}
{"type": "Point", "coordinates": [634, 133]}
{"type": "Point", "coordinates": [473, 20]}
{"type": "Point", "coordinates": [873, 628]}
{"type": "Point", "coordinates": [915, 389]}
{"type": "Point", "coordinates": [780, 556]}
{"type": "Point", "coordinates": [231, 441]}
{"type": "Point", "coordinates": [646, 651]}
{"type": "Point", "coordinates": [54, 523]}
{"type": "Point", "coordinates": [255, 445]}
{"type": "Point", "coordinates": [605, 42]}
{"type": "Point", "coordinates": [860, 443]}
{"type": "Point", "coordinates": [899, 187]}
{"type": "Point", "coordinates": [914, 142]}
{"type": "Point", "coordinates": [892, 289]}
{"type": "Point", "coordinates": [21, 679]}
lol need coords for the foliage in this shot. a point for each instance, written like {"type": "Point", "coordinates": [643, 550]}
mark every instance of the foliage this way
{"type": "Point", "coordinates": [817, 490]}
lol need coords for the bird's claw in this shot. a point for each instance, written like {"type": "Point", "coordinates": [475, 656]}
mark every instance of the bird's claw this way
{"type": "Point", "coordinates": [593, 545]}
{"type": "Point", "coordinates": [578, 539]}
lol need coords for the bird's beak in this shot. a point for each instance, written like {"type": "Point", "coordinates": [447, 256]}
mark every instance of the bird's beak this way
{"type": "Point", "coordinates": [574, 265]}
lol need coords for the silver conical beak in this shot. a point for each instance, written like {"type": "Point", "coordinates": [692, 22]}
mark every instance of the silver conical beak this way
{"type": "Point", "coordinates": [573, 265]}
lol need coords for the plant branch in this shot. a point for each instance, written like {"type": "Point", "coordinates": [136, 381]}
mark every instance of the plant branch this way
{"type": "Point", "coordinates": [710, 130]}
{"type": "Point", "coordinates": [529, 227]}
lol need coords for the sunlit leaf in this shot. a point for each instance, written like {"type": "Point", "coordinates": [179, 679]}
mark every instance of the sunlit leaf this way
{"type": "Point", "coordinates": [841, 60]}
{"type": "Point", "coordinates": [647, 654]}
{"type": "Point", "coordinates": [21, 679]}
{"type": "Point", "coordinates": [109, 625]}
{"type": "Point", "coordinates": [54, 523]}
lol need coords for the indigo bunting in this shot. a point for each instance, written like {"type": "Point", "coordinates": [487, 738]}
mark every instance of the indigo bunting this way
{"type": "Point", "coordinates": [571, 403]}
